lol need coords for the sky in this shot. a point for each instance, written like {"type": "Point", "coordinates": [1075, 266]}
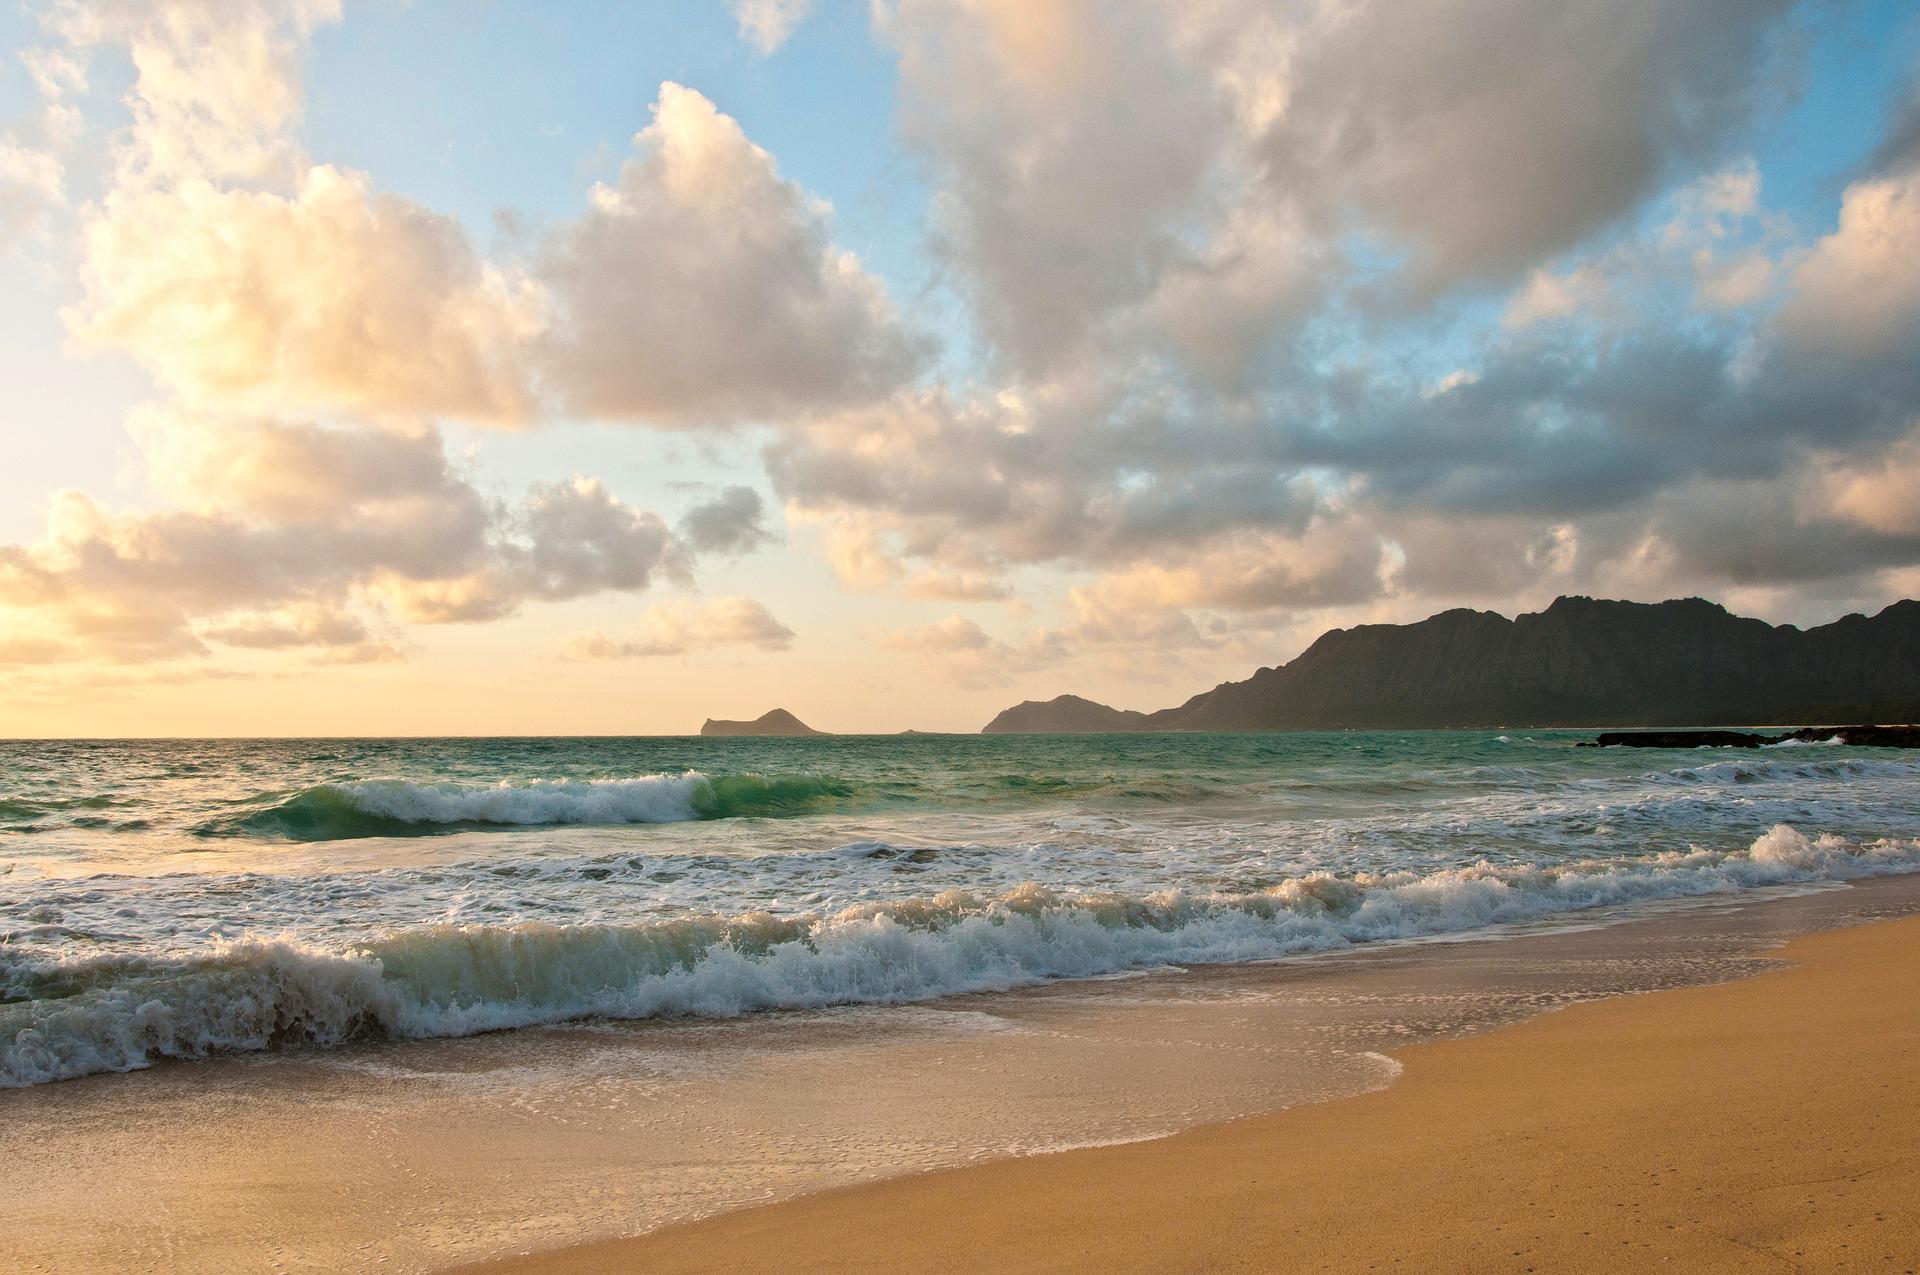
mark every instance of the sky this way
{"type": "Point", "coordinates": [494, 367]}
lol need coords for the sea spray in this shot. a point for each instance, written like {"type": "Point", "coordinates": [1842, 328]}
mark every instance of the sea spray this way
{"type": "Point", "coordinates": [64, 1018]}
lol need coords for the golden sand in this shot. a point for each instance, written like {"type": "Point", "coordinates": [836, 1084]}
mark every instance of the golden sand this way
{"type": "Point", "coordinates": [1768, 1125]}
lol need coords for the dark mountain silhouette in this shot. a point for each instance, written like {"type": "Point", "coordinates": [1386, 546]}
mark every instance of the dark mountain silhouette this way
{"type": "Point", "coordinates": [1580, 662]}
{"type": "Point", "coordinates": [1065, 715]}
{"type": "Point", "coordinates": [777, 722]}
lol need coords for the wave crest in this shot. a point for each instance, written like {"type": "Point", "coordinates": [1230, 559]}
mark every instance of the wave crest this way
{"type": "Point", "coordinates": [64, 1019]}
{"type": "Point", "coordinates": [1755, 767]}
{"type": "Point", "coordinates": [396, 808]}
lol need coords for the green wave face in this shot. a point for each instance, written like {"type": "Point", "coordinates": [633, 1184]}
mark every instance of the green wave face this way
{"type": "Point", "coordinates": [753, 796]}
{"type": "Point", "coordinates": [394, 808]}
{"type": "Point", "coordinates": [320, 814]}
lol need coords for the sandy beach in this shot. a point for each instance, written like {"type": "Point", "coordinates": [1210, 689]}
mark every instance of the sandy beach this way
{"type": "Point", "coordinates": [1766, 1124]}
{"type": "Point", "coordinates": [1703, 1097]}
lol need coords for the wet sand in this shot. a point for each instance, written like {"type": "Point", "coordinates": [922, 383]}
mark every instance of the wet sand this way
{"type": "Point", "coordinates": [1769, 1124]}
{"type": "Point", "coordinates": [421, 1156]}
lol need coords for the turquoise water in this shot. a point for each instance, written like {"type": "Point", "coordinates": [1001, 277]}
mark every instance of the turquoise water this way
{"type": "Point", "coordinates": [177, 898]}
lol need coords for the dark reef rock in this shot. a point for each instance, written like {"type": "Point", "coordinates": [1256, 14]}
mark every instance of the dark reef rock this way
{"type": "Point", "coordinates": [1681, 739]}
{"type": "Point", "coordinates": [1579, 662]}
{"type": "Point", "coordinates": [1862, 736]}
{"type": "Point", "coordinates": [777, 722]}
{"type": "Point", "coordinates": [1858, 736]}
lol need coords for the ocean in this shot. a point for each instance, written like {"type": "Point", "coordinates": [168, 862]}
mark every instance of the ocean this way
{"type": "Point", "coordinates": [187, 898]}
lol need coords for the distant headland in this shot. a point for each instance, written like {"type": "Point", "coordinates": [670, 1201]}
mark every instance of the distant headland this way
{"type": "Point", "coordinates": [1580, 662]}
{"type": "Point", "coordinates": [777, 722]}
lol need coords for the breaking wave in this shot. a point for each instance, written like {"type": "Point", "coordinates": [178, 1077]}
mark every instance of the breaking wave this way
{"type": "Point", "coordinates": [1756, 767]}
{"type": "Point", "coordinates": [66, 1018]}
{"type": "Point", "coordinates": [394, 808]}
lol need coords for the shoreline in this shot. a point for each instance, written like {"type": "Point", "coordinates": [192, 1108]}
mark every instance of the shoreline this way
{"type": "Point", "coordinates": [1753, 1124]}
{"type": "Point", "coordinates": [426, 1156]}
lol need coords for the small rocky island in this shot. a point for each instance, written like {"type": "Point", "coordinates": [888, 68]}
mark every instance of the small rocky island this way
{"type": "Point", "coordinates": [1860, 736]}
{"type": "Point", "coordinates": [777, 722]}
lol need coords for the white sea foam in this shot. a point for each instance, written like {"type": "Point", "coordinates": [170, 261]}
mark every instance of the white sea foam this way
{"type": "Point", "coordinates": [387, 807]}
{"type": "Point", "coordinates": [62, 1018]}
{"type": "Point", "coordinates": [644, 799]}
{"type": "Point", "coordinates": [1755, 767]}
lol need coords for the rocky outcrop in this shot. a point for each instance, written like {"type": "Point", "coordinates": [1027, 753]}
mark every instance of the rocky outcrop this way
{"type": "Point", "coordinates": [1858, 736]}
{"type": "Point", "coordinates": [777, 722]}
{"type": "Point", "coordinates": [1680, 739]}
{"type": "Point", "coordinates": [1064, 715]}
{"type": "Point", "coordinates": [1581, 661]}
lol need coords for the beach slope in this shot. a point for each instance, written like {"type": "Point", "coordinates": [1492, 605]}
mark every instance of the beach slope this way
{"type": "Point", "coordinates": [1764, 1125]}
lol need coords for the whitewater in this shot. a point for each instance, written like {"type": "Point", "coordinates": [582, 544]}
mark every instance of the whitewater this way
{"type": "Point", "coordinates": [182, 899]}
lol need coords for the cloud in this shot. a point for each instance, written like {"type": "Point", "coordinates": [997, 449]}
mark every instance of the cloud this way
{"type": "Point", "coordinates": [1878, 492]}
{"type": "Point", "coordinates": [1333, 562]}
{"type": "Point", "coordinates": [333, 298]}
{"type": "Point", "coordinates": [1547, 296]}
{"type": "Point", "coordinates": [1747, 532]}
{"type": "Point", "coordinates": [701, 287]}
{"type": "Point", "coordinates": [217, 84]}
{"type": "Point", "coordinates": [1105, 631]}
{"type": "Point", "coordinates": [1856, 295]}
{"type": "Point", "coordinates": [1745, 279]}
{"type": "Point", "coordinates": [1324, 309]}
{"type": "Point", "coordinates": [332, 637]}
{"type": "Point", "coordinates": [1141, 205]}
{"type": "Point", "coordinates": [697, 288]}
{"type": "Point", "coordinates": [956, 584]}
{"type": "Point", "coordinates": [1487, 135]}
{"type": "Point", "coordinates": [1069, 141]}
{"type": "Point", "coordinates": [955, 633]}
{"type": "Point", "coordinates": [248, 278]}
{"type": "Point", "coordinates": [965, 653]}
{"type": "Point", "coordinates": [767, 24]}
{"type": "Point", "coordinates": [730, 523]}
{"type": "Point", "coordinates": [1712, 228]}
{"type": "Point", "coordinates": [296, 626]}
{"type": "Point", "coordinates": [30, 185]}
{"type": "Point", "coordinates": [687, 628]}
{"type": "Point", "coordinates": [261, 287]}
{"type": "Point", "coordinates": [33, 149]}
{"type": "Point", "coordinates": [1113, 177]}
{"type": "Point", "coordinates": [30, 650]}
{"type": "Point", "coordinates": [1555, 462]}
{"type": "Point", "coordinates": [1221, 310]}
{"type": "Point", "coordinates": [567, 540]}
{"type": "Point", "coordinates": [1899, 148]}
{"type": "Point", "coordinates": [1084, 472]}
{"type": "Point", "coordinates": [282, 552]}
{"type": "Point", "coordinates": [291, 471]}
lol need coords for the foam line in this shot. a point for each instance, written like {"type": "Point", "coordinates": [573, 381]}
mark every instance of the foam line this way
{"type": "Point", "coordinates": [67, 1018]}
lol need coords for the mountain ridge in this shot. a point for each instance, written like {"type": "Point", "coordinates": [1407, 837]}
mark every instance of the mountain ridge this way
{"type": "Point", "coordinates": [1579, 662]}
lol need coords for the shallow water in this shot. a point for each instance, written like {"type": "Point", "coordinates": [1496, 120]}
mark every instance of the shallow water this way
{"type": "Point", "coordinates": [181, 898]}
{"type": "Point", "coordinates": [418, 1155]}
